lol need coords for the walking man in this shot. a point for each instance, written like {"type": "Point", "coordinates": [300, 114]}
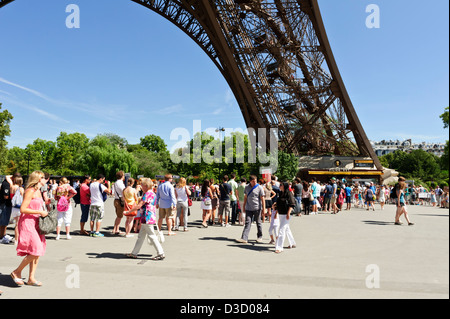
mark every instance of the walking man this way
{"type": "Point", "coordinates": [254, 203]}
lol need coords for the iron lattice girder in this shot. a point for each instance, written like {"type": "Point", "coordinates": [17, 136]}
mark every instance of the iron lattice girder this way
{"type": "Point", "coordinates": [277, 60]}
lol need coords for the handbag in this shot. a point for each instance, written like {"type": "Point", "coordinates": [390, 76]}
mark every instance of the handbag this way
{"type": "Point", "coordinates": [48, 223]}
{"type": "Point", "coordinates": [189, 201]}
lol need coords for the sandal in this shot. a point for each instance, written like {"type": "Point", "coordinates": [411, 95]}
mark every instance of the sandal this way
{"type": "Point", "coordinates": [34, 284]}
{"type": "Point", "coordinates": [131, 256]}
{"type": "Point", "coordinates": [19, 282]}
{"type": "Point", "coordinates": [159, 257]}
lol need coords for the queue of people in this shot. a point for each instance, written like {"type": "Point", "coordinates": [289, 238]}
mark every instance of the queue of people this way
{"type": "Point", "coordinates": [145, 205]}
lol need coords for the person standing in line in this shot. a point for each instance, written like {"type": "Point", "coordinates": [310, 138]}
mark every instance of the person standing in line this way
{"type": "Point", "coordinates": [225, 191]}
{"type": "Point", "coordinates": [97, 208]}
{"type": "Point", "coordinates": [68, 192]}
{"type": "Point", "coordinates": [5, 209]}
{"type": "Point", "coordinates": [17, 193]}
{"type": "Point", "coordinates": [328, 193]}
{"type": "Point", "coordinates": [148, 221]}
{"type": "Point", "coordinates": [348, 196]}
{"type": "Point", "coordinates": [233, 198]}
{"type": "Point", "coordinates": [269, 194]}
{"type": "Point", "coordinates": [298, 187]}
{"type": "Point", "coordinates": [85, 203]}
{"type": "Point", "coordinates": [206, 204]}
{"type": "Point", "coordinates": [166, 203]}
{"type": "Point", "coordinates": [240, 195]}
{"type": "Point", "coordinates": [182, 194]}
{"type": "Point", "coordinates": [31, 244]}
{"type": "Point", "coordinates": [215, 194]}
{"type": "Point", "coordinates": [254, 204]}
{"type": "Point", "coordinates": [119, 202]}
{"type": "Point", "coordinates": [315, 191]}
{"type": "Point", "coordinates": [285, 206]}
{"type": "Point", "coordinates": [306, 195]}
{"type": "Point", "coordinates": [130, 200]}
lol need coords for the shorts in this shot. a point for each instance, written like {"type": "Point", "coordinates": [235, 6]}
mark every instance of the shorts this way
{"type": "Point", "coordinates": [119, 208]}
{"type": "Point", "coordinates": [96, 213]}
{"type": "Point", "coordinates": [167, 213]}
{"type": "Point", "coordinates": [224, 205]}
{"type": "Point", "coordinates": [84, 213]}
{"type": "Point", "coordinates": [348, 200]}
{"type": "Point", "coordinates": [326, 200]}
{"type": "Point", "coordinates": [333, 200]}
{"type": "Point", "coordinates": [5, 214]}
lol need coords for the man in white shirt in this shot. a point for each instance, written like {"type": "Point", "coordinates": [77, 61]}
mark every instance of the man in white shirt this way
{"type": "Point", "coordinates": [96, 210]}
{"type": "Point", "coordinates": [119, 186]}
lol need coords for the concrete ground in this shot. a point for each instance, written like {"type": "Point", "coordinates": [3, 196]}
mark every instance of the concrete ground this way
{"type": "Point", "coordinates": [354, 254]}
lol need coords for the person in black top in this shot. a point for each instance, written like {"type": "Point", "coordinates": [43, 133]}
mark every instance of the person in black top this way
{"type": "Point", "coordinates": [225, 201]}
{"type": "Point", "coordinates": [5, 207]}
{"type": "Point", "coordinates": [285, 205]}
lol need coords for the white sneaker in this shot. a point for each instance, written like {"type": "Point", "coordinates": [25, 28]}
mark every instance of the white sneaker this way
{"type": "Point", "coordinates": [68, 237]}
{"type": "Point", "coordinates": [57, 237]}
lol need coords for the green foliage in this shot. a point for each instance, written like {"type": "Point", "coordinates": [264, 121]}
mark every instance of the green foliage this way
{"type": "Point", "coordinates": [417, 165]}
{"type": "Point", "coordinates": [5, 119]}
{"type": "Point", "coordinates": [444, 117]}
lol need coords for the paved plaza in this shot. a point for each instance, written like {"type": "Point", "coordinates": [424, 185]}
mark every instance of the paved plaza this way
{"type": "Point", "coordinates": [354, 254]}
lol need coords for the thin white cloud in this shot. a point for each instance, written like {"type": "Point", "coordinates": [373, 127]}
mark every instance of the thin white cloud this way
{"type": "Point", "coordinates": [177, 108]}
{"type": "Point", "coordinates": [34, 92]}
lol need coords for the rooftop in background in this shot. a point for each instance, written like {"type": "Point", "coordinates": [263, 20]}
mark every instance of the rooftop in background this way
{"type": "Point", "coordinates": [385, 147]}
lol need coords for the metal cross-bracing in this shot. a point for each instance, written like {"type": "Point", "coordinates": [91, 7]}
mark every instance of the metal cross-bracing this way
{"type": "Point", "coordinates": [277, 60]}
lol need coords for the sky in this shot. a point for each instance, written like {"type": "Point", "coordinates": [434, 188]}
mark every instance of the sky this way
{"type": "Point", "coordinates": [130, 72]}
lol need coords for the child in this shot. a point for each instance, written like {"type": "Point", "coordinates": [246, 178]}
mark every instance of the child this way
{"type": "Point", "coordinates": [274, 226]}
{"type": "Point", "coordinates": [148, 221]}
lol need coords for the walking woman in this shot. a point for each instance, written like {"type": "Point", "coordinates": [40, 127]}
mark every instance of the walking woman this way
{"type": "Point", "coordinates": [148, 221]}
{"type": "Point", "coordinates": [31, 244]}
{"type": "Point", "coordinates": [401, 205]}
{"type": "Point", "coordinates": [206, 202]}
{"type": "Point", "coordinates": [285, 206]}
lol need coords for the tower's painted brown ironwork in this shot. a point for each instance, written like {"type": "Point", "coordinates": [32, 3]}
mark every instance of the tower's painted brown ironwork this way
{"type": "Point", "coordinates": [276, 57]}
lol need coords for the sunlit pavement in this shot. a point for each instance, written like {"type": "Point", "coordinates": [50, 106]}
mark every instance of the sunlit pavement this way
{"type": "Point", "coordinates": [353, 254]}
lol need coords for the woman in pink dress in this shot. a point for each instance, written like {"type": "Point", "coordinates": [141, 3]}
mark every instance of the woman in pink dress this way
{"type": "Point", "coordinates": [31, 244]}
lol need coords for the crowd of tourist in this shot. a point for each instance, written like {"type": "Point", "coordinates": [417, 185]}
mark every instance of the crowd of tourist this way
{"type": "Point", "coordinates": [146, 204]}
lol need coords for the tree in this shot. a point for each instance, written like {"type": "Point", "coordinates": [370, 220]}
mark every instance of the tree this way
{"type": "Point", "coordinates": [444, 117]}
{"type": "Point", "coordinates": [445, 158]}
{"type": "Point", "coordinates": [5, 119]}
{"type": "Point", "coordinates": [102, 157]}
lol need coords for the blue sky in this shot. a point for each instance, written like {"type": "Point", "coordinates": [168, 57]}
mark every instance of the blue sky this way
{"type": "Point", "coordinates": [130, 72]}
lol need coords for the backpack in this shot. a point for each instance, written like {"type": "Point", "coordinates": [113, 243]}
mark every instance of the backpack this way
{"type": "Point", "coordinates": [17, 199]}
{"type": "Point", "coordinates": [63, 204]}
{"type": "Point", "coordinates": [77, 197]}
{"type": "Point", "coordinates": [104, 195]}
